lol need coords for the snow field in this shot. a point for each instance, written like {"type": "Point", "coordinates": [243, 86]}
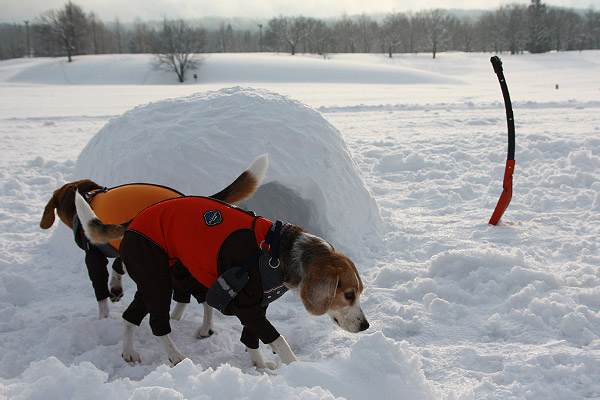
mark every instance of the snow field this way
{"type": "Point", "coordinates": [458, 308]}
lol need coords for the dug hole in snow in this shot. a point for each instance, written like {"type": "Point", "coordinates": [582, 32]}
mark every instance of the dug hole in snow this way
{"type": "Point", "coordinates": [200, 143]}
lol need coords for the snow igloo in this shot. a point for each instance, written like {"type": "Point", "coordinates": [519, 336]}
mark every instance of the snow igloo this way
{"type": "Point", "coordinates": [200, 143]}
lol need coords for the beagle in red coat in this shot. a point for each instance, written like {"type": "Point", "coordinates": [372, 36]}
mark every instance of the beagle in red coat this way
{"type": "Point", "coordinates": [119, 205]}
{"type": "Point", "coordinates": [173, 232]}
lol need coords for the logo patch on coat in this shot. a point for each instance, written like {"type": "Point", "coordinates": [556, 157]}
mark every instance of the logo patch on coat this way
{"type": "Point", "coordinates": [213, 217]}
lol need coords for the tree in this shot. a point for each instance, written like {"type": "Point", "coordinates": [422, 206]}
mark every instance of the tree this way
{"type": "Point", "coordinates": [437, 24]}
{"type": "Point", "coordinates": [465, 35]}
{"type": "Point", "coordinates": [368, 32]}
{"type": "Point", "coordinates": [98, 35]}
{"type": "Point", "coordinates": [346, 34]}
{"type": "Point", "coordinates": [68, 27]}
{"type": "Point", "coordinates": [592, 25]}
{"type": "Point", "coordinates": [225, 37]}
{"type": "Point", "coordinates": [290, 31]}
{"type": "Point", "coordinates": [539, 37]}
{"type": "Point", "coordinates": [141, 38]}
{"type": "Point", "coordinates": [393, 31]}
{"type": "Point", "coordinates": [177, 45]}
{"type": "Point", "coordinates": [319, 40]}
{"type": "Point", "coordinates": [512, 21]}
{"type": "Point", "coordinates": [485, 32]}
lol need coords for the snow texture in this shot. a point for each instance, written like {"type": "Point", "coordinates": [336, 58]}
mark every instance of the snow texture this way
{"type": "Point", "coordinates": [458, 309]}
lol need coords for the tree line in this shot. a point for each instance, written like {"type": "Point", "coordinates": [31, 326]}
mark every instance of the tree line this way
{"type": "Point", "coordinates": [514, 28]}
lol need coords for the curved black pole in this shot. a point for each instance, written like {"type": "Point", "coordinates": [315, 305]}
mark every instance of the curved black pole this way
{"type": "Point", "coordinates": [506, 195]}
{"type": "Point", "coordinates": [510, 120]}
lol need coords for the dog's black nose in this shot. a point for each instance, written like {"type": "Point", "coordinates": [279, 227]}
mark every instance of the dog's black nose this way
{"type": "Point", "coordinates": [364, 325]}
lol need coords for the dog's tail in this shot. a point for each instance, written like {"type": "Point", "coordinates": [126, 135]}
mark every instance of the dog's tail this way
{"type": "Point", "coordinates": [246, 184]}
{"type": "Point", "coordinates": [96, 231]}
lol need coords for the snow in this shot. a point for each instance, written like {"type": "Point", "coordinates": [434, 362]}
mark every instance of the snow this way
{"type": "Point", "coordinates": [458, 309]}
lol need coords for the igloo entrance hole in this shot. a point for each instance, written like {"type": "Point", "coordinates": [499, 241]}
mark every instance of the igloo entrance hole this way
{"type": "Point", "coordinates": [276, 201]}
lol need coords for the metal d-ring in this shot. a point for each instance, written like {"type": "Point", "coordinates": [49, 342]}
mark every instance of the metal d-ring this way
{"type": "Point", "coordinates": [261, 243]}
{"type": "Point", "coordinates": [276, 266]}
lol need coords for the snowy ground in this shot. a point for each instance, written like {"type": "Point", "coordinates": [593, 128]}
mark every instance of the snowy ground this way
{"type": "Point", "coordinates": [458, 308]}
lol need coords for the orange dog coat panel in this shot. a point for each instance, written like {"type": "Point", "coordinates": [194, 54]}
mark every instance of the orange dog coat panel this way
{"type": "Point", "coordinates": [121, 204]}
{"type": "Point", "coordinates": [192, 229]}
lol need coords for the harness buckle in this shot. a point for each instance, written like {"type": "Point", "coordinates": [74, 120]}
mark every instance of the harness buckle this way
{"type": "Point", "coordinates": [274, 266]}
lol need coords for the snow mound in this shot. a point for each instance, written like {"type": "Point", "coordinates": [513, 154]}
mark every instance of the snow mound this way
{"type": "Point", "coordinates": [200, 143]}
{"type": "Point", "coordinates": [382, 369]}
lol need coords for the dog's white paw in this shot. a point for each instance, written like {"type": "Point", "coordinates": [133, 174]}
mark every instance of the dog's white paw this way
{"type": "Point", "coordinates": [258, 361]}
{"type": "Point", "coordinates": [204, 331]}
{"type": "Point", "coordinates": [131, 356]}
{"type": "Point", "coordinates": [176, 358]}
{"type": "Point", "coordinates": [173, 353]}
{"type": "Point", "coordinates": [266, 365]}
{"type": "Point", "coordinates": [281, 347]}
{"type": "Point", "coordinates": [103, 309]}
{"type": "Point", "coordinates": [269, 365]}
{"type": "Point", "coordinates": [115, 287]}
{"type": "Point", "coordinates": [116, 293]}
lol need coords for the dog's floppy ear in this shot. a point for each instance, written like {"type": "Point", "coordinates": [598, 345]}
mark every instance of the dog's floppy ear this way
{"type": "Point", "coordinates": [318, 288]}
{"type": "Point", "coordinates": [48, 216]}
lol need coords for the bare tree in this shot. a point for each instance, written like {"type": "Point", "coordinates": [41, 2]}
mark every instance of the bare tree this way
{"type": "Point", "coordinates": [98, 35]}
{"type": "Point", "coordinates": [437, 24]}
{"type": "Point", "coordinates": [368, 32]}
{"type": "Point", "coordinates": [118, 35]}
{"type": "Point", "coordinates": [141, 38]}
{"type": "Point", "coordinates": [177, 45]}
{"type": "Point", "coordinates": [347, 35]}
{"type": "Point", "coordinates": [393, 32]}
{"type": "Point", "coordinates": [13, 42]}
{"type": "Point", "coordinates": [512, 20]}
{"type": "Point", "coordinates": [225, 37]}
{"type": "Point", "coordinates": [290, 31]}
{"type": "Point", "coordinates": [465, 35]}
{"type": "Point", "coordinates": [592, 27]}
{"type": "Point", "coordinates": [319, 39]}
{"type": "Point", "coordinates": [68, 26]}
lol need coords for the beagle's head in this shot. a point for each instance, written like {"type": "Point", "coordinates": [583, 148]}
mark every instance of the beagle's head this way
{"type": "Point", "coordinates": [63, 201]}
{"type": "Point", "coordinates": [332, 286]}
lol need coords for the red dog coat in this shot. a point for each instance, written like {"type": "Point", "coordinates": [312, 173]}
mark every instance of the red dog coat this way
{"type": "Point", "coordinates": [192, 229]}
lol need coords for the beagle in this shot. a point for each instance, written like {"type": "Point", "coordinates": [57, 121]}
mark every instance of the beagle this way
{"type": "Point", "coordinates": [206, 238]}
{"type": "Point", "coordinates": [119, 205]}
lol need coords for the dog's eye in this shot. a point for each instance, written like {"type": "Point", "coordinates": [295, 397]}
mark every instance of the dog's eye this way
{"type": "Point", "coordinates": [339, 283]}
{"type": "Point", "coordinates": [350, 296]}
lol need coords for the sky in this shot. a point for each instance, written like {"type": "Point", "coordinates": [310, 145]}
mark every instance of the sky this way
{"type": "Point", "coordinates": [128, 10]}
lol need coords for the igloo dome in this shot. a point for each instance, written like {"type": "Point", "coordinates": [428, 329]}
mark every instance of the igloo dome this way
{"type": "Point", "coordinates": [198, 144]}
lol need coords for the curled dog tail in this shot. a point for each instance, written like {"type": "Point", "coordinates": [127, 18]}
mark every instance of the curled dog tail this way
{"type": "Point", "coordinates": [246, 184]}
{"type": "Point", "coordinates": [96, 231]}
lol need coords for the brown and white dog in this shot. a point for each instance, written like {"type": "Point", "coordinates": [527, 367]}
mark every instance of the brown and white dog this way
{"type": "Point", "coordinates": [129, 200]}
{"type": "Point", "coordinates": [326, 280]}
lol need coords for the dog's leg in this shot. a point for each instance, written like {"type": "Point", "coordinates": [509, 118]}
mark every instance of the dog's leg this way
{"type": "Point", "coordinates": [178, 311]}
{"type": "Point", "coordinates": [207, 328]}
{"type": "Point", "coordinates": [175, 356]}
{"type": "Point", "coordinates": [129, 354]}
{"type": "Point", "coordinates": [115, 287]}
{"type": "Point", "coordinates": [282, 348]}
{"type": "Point", "coordinates": [103, 308]}
{"type": "Point", "coordinates": [258, 361]}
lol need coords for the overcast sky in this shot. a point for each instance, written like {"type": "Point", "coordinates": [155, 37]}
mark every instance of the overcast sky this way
{"type": "Point", "coordinates": [129, 10]}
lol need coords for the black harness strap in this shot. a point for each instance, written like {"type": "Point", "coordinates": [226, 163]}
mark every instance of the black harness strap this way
{"type": "Point", "coordinates": [272, 236]}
